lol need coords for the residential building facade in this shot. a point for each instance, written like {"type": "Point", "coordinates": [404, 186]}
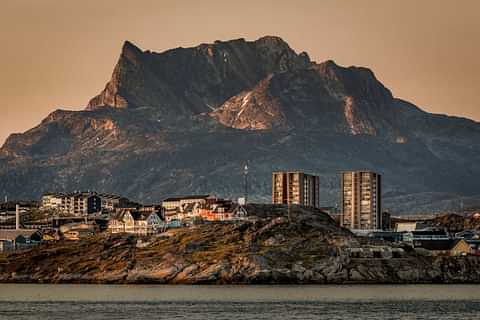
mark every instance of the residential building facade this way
{"type": "Point", "coordinates": [110, 202]}
{"type": "Point", "coordinates": [74, 204]}
{"type": "Point", "coordinates": [82, 203]}
{"type": "Point", "coordinates": [220, 210]}
{"type": "Point", "coordinates": [52, 201]}
{"type": "Point", "coordinates": [361, 200]}
{"type": "Point", "coordinates": [295, 187]}
{"type": "Point", "coordinates": [178, 208]}
{"type": "Point", "coordinates": [135, 222]}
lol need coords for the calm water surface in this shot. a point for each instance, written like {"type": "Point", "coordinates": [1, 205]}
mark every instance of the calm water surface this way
{"type": "Point", "coordinates": [239, 302]}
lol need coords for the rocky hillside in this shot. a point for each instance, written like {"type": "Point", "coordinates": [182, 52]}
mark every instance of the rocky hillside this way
{"type": "Point", "coordinates": [186, 120]}
{"type": "Point", "coordinates": [454, 223]}
{"type": "Point", "coordinates": [305, 247]}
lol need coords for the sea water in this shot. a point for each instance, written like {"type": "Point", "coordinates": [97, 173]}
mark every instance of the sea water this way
{"type": "Point", "coordinates": [26, 301]}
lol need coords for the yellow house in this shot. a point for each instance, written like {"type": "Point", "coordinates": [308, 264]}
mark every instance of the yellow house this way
{"type": "Point", "coordinates": [460, 248]}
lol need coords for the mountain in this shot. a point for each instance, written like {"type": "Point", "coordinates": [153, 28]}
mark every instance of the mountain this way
{"type": "Point", "coordinates": [186, 120]}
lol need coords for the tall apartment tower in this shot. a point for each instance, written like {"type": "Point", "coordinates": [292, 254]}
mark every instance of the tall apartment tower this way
{"type": "Point", "coordinates": [295, 187]}
{"type": "Point", "coordinates": [361, 200]}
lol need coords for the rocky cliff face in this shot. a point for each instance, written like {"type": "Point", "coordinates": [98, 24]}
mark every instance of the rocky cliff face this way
{"type": "Point", "coordinates": [306, 247]}
{"type": "Point", "coordinates": [323, 97]}
{"type": "Point", "coordinates": [185, 121]}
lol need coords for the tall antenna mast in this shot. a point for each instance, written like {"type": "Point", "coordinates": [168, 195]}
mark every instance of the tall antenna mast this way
{"type": "Point", "coordinates": [245, 177]}
{"type": "Point", "coordinates": [225, 60]}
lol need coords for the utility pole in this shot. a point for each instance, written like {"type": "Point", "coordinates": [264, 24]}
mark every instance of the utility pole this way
{"type": "Point", "coordinates": [289, 206]}
{"type": "Point", "coordinates": [17, 217]}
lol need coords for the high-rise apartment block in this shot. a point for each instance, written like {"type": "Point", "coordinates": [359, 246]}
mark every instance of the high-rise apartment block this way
{"type": "Point", "coordinates": [361, 200]}
{"type": "Point", "coordinates": [295, 187]}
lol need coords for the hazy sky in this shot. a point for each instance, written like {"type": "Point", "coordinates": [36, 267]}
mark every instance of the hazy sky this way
{"type": "Point", "coordinates": [59, 54]}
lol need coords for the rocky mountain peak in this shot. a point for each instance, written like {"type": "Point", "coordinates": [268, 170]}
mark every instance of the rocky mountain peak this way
{"type": "Point", "coordinates": [189, 81]}
{"type": "Point", "coordinates": [130, 60]}
{"type": "Point", "coordinates": [130, 51]}
{"type": "Point", "coordinates": [274, 50]}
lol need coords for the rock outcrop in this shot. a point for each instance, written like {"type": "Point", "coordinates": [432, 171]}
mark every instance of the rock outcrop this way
{"type": "Point", "coordinates": [305, 247]}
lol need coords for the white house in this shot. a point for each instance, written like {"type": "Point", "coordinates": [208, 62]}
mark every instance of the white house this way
{"type": "Point", "coordinates": [135, 222]}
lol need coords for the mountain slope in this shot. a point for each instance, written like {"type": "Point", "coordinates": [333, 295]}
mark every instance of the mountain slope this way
{"type": "Point", "coordinates": [185, 121]}
{"type": "Point", "coordinates": [323, 96]}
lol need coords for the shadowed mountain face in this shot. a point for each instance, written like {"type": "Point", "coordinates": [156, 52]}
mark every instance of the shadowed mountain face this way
{"type": "Point", "coordinates": [185, 121]}
{"type": "Point", "coordinates": [190, 81]}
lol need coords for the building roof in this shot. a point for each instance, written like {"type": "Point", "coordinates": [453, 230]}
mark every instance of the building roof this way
{"type": "Point", "coordinates": [82, 194]}
{"type": "Point", "coordinates": [429, 233]}
{"type": "Point", "coordinates": [136, 215]}
{"type": "Point", "coordinates": [118, 215]}
{"type": "Point", "coordinates": [438, 245]}
{"type": "Point", "coordinates": [69, 195]}
{"type": "Point", "coordinates": [140, 215]}
{"type": "Point", "coordinates": [78, 226]}
{"type": "Point", "coordinates": [54, 194]}
{"type": "Point", "coordinates": [187, 197]}
{"type": "Point", "coordinates": [14, 233]}
{"type": "Point", "coordinates": [111, 196]}
{"type": "Point", "coordinates": [294, 171]}
{"type": "Point", "coordinates": [360, 171]}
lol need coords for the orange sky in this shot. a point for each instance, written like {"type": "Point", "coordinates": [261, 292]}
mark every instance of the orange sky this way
{"type": "Point", "coordinates": [59, 54]}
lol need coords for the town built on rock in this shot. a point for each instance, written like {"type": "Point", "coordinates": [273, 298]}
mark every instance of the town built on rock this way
{"type": "Point", "coordinates": [80, 215]}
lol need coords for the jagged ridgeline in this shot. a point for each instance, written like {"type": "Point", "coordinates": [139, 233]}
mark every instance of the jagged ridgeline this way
{"type": "Point", "coordinates": [185, 120]}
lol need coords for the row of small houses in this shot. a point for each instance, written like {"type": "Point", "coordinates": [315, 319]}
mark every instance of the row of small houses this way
{"type": "Point", "coordinates": [120, 218]}
{"type": "Point", "coordinates": [172, 209]}
{"type": "Point", "coordinates": [175, 212]}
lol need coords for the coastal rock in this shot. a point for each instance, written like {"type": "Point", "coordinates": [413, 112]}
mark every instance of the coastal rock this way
{"type": "Point", "coordinates": [205, 254]}
{"type": "Point", "coordinates": [271, 250]}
